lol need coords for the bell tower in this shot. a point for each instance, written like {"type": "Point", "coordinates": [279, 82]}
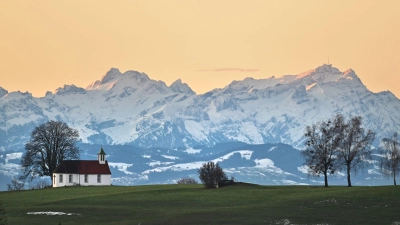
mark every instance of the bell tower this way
{"type": "Point", "coordinates": [101, 156]}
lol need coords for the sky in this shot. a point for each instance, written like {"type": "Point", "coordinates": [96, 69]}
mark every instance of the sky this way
{"type": "Point", "coordinates": [207, 44]}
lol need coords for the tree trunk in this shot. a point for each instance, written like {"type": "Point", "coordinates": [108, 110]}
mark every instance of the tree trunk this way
{"type": "Point", "coordinates": [394, 178]}
{"type": "Point", "coordinates": [326, 178]}
{"type": "Point", "coordinates": [348, 177]}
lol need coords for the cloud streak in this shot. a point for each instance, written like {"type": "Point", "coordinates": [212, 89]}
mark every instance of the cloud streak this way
{"type": "Point", "coordinates": [230, 70]}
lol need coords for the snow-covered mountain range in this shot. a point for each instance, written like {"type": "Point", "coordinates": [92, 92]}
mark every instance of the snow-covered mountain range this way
{"type": "Point", "coordinates": [130, 109]}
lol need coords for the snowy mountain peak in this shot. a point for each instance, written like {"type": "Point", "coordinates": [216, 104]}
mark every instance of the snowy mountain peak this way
{"type": "Point", "coordinates": [137, 76]}
{"type": "Point", "coordinates": [180, 87]}
{"type": "Point", "coordinates": [48, 93]}
{"type": "Point", "coordinates": [325, 74]}
{"type": "Point", "coordinates": [70, 89]}
{"type": "Point", "coordinates": [250, 84]}
{"type": "Point", "coordinates": [17, 95]}
{"type": "Point", "coordinates": [350, 74]}
{"type": "Point", "coordinates": [327, 68]}
{"type": "Point", "coordinates": [3, 92]}
{"type": "Point", "coordinates": [324, 71]}
{"type": "Point", "coordinates": [112, 75]}
{"type": "Point", "coordinates": [322, 74]}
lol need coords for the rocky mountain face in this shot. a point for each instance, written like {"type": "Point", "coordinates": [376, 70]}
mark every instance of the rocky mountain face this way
{"type": "Point", "coordinates": [130, 109]}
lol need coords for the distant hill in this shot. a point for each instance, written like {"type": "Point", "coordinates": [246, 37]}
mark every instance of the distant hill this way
{"type": "Point", "coordinates": [268, 164]}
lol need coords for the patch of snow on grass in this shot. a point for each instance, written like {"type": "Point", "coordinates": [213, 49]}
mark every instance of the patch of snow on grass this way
{"type": "Point", "coordinates": [244, 153]}
{"type": "Point", "coordinates": [123, 167]}
{"type": "Point", "coordinates": [192, 151]}
{"type": "Point", "coordinates": [154, 163]}
{"type": "Point", "coordinates": [158, 163]}
{"type": "Point", "coordinates": [177, 167]}
{"type": "Point", "coordinates": [50, 213]}
{"type": "Point", "coordinates": [333, 200]}
{"type": "Point", "coordinates": [262, 163]}
{"type": "Point", "coordinates": [267, 165]}
{"type": "Point", "coordinates": [282, 222]}
{"type": "Point", "coordinates": [170, 157]}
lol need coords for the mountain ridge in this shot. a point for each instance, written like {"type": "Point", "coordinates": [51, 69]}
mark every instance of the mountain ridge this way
{"type": "Point", "coordinates": [114, 73]}
{"type": "Point", "coordinates": [131, 108]}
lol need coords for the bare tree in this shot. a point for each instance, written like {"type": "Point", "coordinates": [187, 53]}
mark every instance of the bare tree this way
{"type": "Point", "coordinates": [210, 174]}
{"type": "Point", "coordinates": [322, 142]}
{"type": "Point", "coordinates": [50, 144]}
{"type": "Point", "coordinates": [16, 185]}
{"type": "Point", "coordinates": [39, 184]}
{"type": "Point", "coordinates": [354, 146]}
{"type": "Point", "coordinates": [187, 180]}
{"type": "Point", "coordinates": [390, 161]}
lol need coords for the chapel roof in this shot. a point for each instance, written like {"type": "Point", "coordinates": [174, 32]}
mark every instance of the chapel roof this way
{"type": "Point", "coordinates": [102, 152]}
{"type": "Point", "coordinates": [83, 167]}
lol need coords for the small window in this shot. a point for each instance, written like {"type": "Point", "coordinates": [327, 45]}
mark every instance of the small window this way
{"type": "Point", "coordinates": [86, 178]}
{"type": "Point", "coordinates": [98, 178]}
{"type": "Point", "coordinates": [61, 178]}
{"type": "Point", "coordinates": [70, 178]}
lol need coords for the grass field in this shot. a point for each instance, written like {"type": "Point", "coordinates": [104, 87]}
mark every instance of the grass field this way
{"type": "Point", "coordinates": [191, 204]}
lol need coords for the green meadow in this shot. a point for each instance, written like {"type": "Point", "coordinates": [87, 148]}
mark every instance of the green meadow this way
{"type": "Point", "coordinates": [192, 204]}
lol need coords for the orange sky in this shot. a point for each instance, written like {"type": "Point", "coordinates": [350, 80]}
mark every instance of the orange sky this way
{"type": "Point", "coordinates": [46, 44]}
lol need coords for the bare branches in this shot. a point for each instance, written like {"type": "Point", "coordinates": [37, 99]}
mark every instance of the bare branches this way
{"type": "Point", "coordinates": [16, 185]}
{"type": "Point", "coordinates": [40, 184]}
{"type": "Point", "coordinates": [50, 144]}
{"type": "Point", "coordinates": [337, 144]}
{"type": "Point", "coordinates": [322, 142]}
{"type": "Point", "coordinates": [354, 148]}
{"type": "Point", "coordinates": [390, 161]}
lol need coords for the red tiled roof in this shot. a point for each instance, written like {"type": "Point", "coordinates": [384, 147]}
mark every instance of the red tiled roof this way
{"type": "Point", "coordinates": [83, 167]}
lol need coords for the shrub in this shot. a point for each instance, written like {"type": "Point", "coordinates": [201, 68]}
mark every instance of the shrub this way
{"type": "Point", "coordinates": [40, 183]}
{"type": "Point", "coordinates": [16, 185]}
{"type": "Point", "coordinates": [187, 180]}
{"type": "Point", "coordinates": [210, 174]}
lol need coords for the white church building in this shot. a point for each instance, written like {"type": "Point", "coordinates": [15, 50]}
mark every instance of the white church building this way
{"type": "Point", "coordinates": [83, 172]}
